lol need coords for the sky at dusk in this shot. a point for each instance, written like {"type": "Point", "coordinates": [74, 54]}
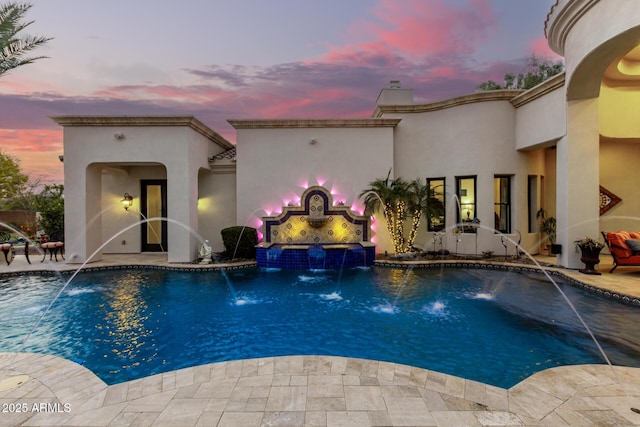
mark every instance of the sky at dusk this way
{"type": "Point", "coordinates": [241, 59]}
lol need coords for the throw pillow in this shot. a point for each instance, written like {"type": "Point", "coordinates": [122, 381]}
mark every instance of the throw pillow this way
{"type": "Point", "coordinates": [634, 244]}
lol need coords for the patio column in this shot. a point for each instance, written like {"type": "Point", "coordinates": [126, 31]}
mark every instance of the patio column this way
{"type": "Point", "coordinates": [82, 204]}
{"type": "Point", "coordinates": [578, 164]}
{"type": "Point", "coordinates": [182, 201]}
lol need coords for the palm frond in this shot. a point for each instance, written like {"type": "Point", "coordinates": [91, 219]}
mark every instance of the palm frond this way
{"type": "Point", "coordinates": [13, 49]}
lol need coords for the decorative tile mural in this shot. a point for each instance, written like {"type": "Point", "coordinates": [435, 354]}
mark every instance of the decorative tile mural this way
{"type": "Point", "coordinates": [316, 221]}
{"type": "Point", "coordinates": [607, 200]}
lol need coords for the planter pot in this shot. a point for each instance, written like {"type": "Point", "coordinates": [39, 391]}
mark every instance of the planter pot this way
{"type": "Point", "coordinates": [590, 257]}
{"type": "Point", "coordinates": [555, 249]}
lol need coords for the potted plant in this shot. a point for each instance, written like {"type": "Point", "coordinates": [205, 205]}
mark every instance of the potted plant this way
{"type": "Point", "coordinates": [487, 254]}
{"type": "Point", "coordinates": [590, 250]}
{"type": "Point", "coordinates": [548, 228]}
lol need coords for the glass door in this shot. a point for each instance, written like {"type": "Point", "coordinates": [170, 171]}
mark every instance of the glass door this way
{"type": "Point", "coordinates": [153, 199]}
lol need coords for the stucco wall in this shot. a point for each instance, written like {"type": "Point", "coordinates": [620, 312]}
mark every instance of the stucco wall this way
{"type": "Point", "coordinates": [216, 205]}
{"type": "Point", "coordinates": [577, 30]}
{"type": "Point", "coordinates": [619, 112]}
{"type": "Point", "coordinates": [541, 120]}
{"type": "Point", "coordinates": [619, 173]}
{"type": "Point", "coordinates": [182, 152]}
{"type": "Point", "coordinates": [591, 35]}
{"type": "Point", "coordinates": [471, 139]}
{"type": "Point", "coordinates": [276, 165]}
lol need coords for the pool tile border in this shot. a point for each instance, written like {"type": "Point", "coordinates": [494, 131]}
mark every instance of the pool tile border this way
{"type": "Point", "coordinates": [486, 265]}
{"type": "Point", "coordinates": [69, 271]}
{"type": "Point", "coordinates": [431, 264]}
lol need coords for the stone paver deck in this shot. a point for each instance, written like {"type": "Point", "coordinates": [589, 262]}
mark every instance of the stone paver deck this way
{"type": "Point", "coordinates": [43, 390]}
{"type": "Point", "coordinates": [312, 391]}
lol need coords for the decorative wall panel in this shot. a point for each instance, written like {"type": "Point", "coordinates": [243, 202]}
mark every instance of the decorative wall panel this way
{"type": "Point", "coordinates": [316, 221]}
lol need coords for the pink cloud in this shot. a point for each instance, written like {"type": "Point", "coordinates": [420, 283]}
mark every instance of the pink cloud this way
{"type": "Point", "coordinates": [166, 93]}
{"type": "Point", "coordinates": [540, 48]}
{"type": "Point", "coordinates": [446, 72]}
{"type": "Point", "coordinates": [31, 140]}
{"type": "Point", "coordinates": [417, 29]}
{"type": "Point", "coordinates": [37, 151]}
{"type": "Point", "coordinates": [428, 45]}
{"type": "Point", "coordinates": [20, 85]}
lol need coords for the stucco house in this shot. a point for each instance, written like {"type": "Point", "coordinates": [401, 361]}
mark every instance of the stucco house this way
{"type": "Point", "coordinates": [566, 146]}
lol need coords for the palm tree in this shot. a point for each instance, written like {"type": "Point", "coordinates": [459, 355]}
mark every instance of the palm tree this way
{"type": "Point", "coordinates": [417, 203]}
{"type": "Point", "coordinates": [387, 194]}
{"type": "Point", "coordinates": [13, 48]}
{"type": "Point", "coordinates": [399, 201]}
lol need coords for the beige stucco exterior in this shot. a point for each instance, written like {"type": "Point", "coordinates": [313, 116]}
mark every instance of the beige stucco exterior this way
{"type": "Point", "coordinates": [557, 143]}
{"type": "Point", "coordinates": [281, 158]}
{"type": "Point", "coordinates": [106, 157]}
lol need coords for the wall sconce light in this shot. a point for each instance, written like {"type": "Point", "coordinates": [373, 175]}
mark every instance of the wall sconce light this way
{"type": "Point", "coordinates": [119, 135]}
{"type": "Point", "coordinates": [127, 202]}
{"type": "Point", "coordinates": [313, 141]}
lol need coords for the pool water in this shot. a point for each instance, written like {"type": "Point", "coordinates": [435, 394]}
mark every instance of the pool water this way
{"type": "Point", "coordinates": [497, 327]}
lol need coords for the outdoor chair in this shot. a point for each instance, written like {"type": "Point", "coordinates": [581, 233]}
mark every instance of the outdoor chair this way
{"type": "Point", "coordinates": [9, 250]}
{"type": "Point", "coordinates": [54, 248]}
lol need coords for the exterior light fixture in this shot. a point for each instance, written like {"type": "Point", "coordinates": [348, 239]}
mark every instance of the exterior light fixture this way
{"type": "Point", "coordinates": [127, 202]}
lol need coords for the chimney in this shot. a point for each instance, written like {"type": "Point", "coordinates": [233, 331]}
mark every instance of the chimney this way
{"type": "Point", "coordinates": [393, 94]}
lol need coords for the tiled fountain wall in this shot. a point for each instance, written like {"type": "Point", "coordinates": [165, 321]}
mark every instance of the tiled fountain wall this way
{"type": "Point", "coordinates": [316, 234]}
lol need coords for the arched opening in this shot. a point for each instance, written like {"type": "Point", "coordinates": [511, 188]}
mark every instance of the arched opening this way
{"type": "Point", "coordinates": [100, 223]}
{"type": "Point", "coordinates": [599, 149]}
{"type": "Point", "coordinates": [586, 80]}
{"type": "Point", "coordinates": [619, 104]}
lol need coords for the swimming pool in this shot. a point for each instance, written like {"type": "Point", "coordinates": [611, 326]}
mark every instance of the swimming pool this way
{"type": "Point", "coordinates": [497, 327]}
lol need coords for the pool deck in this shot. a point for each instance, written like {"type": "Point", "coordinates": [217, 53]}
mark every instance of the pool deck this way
{"type": "Point", "coordinates": [42, 390]}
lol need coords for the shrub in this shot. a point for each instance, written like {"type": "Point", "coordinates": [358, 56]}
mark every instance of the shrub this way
{"type": "Point", "coordinates": [245, 247]}
{"type": "Point", "coordinates": [50, 204]}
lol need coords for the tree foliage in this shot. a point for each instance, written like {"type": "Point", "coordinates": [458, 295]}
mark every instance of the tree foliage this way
{"type": "Point", "coordinates": [399, 200]}
{"type": "Point", "coordinates": [12, 181]}
{"type": "Point", "coordinates": [13, 46]}
{"type": "Point", "coordinates": [50, 204]}
{"type": "Point", "coordinates": [536, 71]}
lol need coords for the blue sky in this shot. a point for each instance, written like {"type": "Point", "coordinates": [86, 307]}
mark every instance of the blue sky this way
{"type": "Point", "coordinates": [225, 59]}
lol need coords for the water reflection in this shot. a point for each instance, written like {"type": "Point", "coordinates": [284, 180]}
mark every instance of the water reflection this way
{"type": "Point", "coordinates": [125, 322]}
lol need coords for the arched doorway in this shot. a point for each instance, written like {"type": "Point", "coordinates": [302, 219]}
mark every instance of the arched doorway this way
{"type": "Point", "coordinates": [602, 144]}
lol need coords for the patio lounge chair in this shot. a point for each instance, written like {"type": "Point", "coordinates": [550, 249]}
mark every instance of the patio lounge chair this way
{"type": "Point", "coordinates": [624, 247]}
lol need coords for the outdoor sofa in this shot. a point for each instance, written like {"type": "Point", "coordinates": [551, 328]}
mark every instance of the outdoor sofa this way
{"type": "Point", "coordinates": [624, 247]}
